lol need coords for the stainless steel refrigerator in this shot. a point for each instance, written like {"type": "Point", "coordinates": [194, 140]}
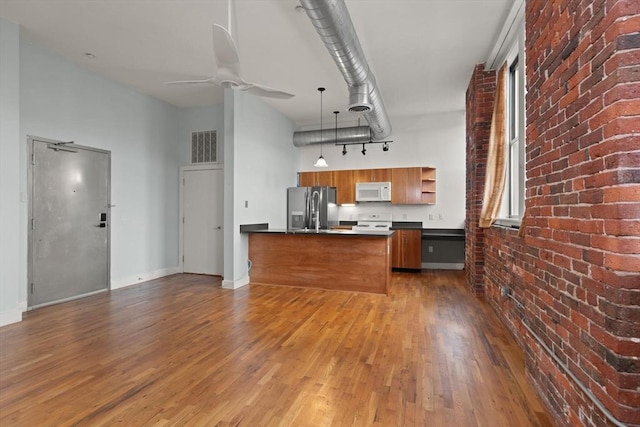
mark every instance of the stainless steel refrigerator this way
{"type": "Point", "coordinates": [311, 208]}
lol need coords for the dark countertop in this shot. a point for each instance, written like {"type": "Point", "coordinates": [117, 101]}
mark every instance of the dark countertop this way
{"type": "Point", "coordinates": [348, 233]}
{"type": "Point", "coordinates": [457, 233]}
{"type": "Point", "coordinates": [427, 233]}
{"type": "Point", "coordinates": [406, 225]}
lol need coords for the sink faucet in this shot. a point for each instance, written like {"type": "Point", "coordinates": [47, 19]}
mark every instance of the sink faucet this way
{"type": "Point", "coordinates": [315, 209]}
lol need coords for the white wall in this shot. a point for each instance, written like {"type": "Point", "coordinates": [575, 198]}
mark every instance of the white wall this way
{"type": "Point", "coordinates": [10, 275]}
{"type": "Point", "coordinates": [200, 119]}
{"type": "Point", "coordinates": [436, 140]}
{"type": "Point", "coordinates": [60, 100]}
{"type": "Point", "coordinates": [260, 163]}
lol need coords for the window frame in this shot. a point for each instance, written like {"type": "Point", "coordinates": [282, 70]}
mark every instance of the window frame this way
{"type": "Point", "coordinates": [512, 205]}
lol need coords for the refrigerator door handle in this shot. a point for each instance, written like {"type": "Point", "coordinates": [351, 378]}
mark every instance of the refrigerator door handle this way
{"type": "Point", "coordinates": [306, 209]}
{"type": "Point", "coordinates": [320, 219]}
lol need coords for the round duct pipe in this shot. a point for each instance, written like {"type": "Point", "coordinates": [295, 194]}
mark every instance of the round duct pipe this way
{"type": "Point", "coordinates": [360, 98]}
{"type": "Point", "coordinates": [333, 24]}
{"type": "Point", "coordinates": [356, 134]}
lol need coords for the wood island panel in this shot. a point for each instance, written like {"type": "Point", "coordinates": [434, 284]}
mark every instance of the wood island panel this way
{"type": "Point", "coordinates": [348, 263]}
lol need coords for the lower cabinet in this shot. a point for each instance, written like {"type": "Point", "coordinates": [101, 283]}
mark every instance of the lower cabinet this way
{"type": "Point", "coordinates": [406, 248]}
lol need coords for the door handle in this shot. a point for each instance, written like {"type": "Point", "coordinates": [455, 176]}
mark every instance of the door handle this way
{"type": "Point", "coordinates": [219, 227]}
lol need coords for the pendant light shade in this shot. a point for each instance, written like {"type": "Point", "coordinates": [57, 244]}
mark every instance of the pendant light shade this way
{"type": "Point", "coordinates": [321, 162]}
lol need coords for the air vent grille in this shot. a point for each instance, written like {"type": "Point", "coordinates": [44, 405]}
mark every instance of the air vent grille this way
{"type": "Point", "coordinates": [204, 147]}
{"type": "Point", "coordinates": [359, 108]}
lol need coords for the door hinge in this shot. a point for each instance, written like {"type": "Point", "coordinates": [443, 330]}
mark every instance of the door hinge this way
{"type": "Point", "coordinates": [183, 181]}
{"type": "Point", "coordinates": [182, 258]}
{"type": "Point", "coordinates": [32, 287]}
{"type": "Point", "coordinates": [33, 223]}
{"type": "Point", "coordinates": [183, 220]}
{"type": "Point", "coordinates": [33, 158]}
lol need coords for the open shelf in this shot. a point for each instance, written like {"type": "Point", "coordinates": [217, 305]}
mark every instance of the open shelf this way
{"type": "Point", "coordinates": [428, 186]}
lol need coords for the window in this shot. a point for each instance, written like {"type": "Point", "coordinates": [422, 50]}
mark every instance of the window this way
{"type": "Point", "coordinates": [512, 207]}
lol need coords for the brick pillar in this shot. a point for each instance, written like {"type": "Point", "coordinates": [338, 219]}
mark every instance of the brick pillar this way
{"type": "Point", "coordinates": [479, 109]}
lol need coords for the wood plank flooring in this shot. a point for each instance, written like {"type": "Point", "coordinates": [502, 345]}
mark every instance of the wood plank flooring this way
{"type": "Point", "coordinates": [182, 351]}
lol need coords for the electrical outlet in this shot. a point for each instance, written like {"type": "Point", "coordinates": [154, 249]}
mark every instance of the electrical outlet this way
{"type": "Point", "coordinates": [404, 216]}
{"type": "Point", "coordinates": [430, 217]}
{"type": "Point", "coordinates": [430, 249]}
{"type": "Point", "coordinates": [440, 217]}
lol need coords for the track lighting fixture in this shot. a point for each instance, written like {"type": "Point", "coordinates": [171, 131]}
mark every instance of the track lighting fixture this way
{"type": "Point", "coordinates": [364, 150]}
{"type": "Point", "coordinates": [344, 147]}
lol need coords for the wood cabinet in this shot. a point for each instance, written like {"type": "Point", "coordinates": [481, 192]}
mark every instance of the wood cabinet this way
{"type": "Point", "coordinates": [406, 249]}
{"type": "Point", "coordinates": [345, 187]}
{"type": "Point", "coordinates": [428, 186]}
{"type": "Point", "coordinates": [406, 186]}
{"type": "Point", "coordinates": [372, 175]}
{"type": "Point", "coordinates": [310, 179]}
{"type": "Point", "coordinates": [409, 186]}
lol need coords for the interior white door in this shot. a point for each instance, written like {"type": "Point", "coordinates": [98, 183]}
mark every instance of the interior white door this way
{"type": "Point", "coordinates": [203, 218]}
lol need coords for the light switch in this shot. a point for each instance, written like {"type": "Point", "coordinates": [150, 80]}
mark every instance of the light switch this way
{"type": "Point", "coordinates": [246, 203]}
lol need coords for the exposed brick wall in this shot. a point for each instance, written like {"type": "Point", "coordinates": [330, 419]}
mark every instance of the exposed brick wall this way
{"type": "Point", "coordinates": [480, 98]}
{"type": "Point", "coordinates": [577, 271]}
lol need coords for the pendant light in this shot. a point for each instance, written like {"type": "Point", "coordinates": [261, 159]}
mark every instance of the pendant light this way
{"type": "Point", "coordinates": [321, 162]}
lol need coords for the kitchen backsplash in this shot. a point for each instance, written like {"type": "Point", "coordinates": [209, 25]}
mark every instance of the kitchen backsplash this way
{"type": "Point", "coordinates": [430, 216]}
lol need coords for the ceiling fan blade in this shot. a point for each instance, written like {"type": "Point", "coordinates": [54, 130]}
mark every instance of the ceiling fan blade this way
{"type": "Point", "coordinates": [225, 50]}
{"type": "Point", "coordinates": [265, 91]}
{"type": "Point", "coordinates": [180, 82]}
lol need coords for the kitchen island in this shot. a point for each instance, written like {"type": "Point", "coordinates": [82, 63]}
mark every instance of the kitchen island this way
{"type": "Point", "coordinates": [330, 259]}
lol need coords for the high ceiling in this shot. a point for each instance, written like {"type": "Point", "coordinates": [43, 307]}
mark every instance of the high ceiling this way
{"type": "Point", "coordinates": [422, 52]}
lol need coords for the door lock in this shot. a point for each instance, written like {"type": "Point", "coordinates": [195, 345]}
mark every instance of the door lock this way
{"type": "Point", "coordinates": [103, 220]}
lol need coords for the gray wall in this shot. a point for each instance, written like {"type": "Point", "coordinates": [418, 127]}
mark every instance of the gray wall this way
{"type": "Point", "coordinates": [11, 275]}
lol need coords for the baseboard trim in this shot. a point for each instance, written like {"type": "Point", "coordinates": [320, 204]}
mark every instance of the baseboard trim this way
{"type": "Point", "coordinates": [443, 265]}
{"type": "Point", "coordinates": [8, 317]}
{"type": "Point", "coordinates": [144, 277]}
{"type": "Point", "coordinates": [235, 284]}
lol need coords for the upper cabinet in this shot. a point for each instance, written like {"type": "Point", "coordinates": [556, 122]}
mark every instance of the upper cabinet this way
{"type": "Point", "coordinates": [428, 186]}
{"type": "Point", "coordinates": [409, 186]}
{"type": "Point", "coordinates": [315, 179]}
{"type": "Point", "coordinates": [345, 187]}
{"type": "Point", "coordinates": [372, 175]}
{"type": "Point", "coordinates": [406, 185]}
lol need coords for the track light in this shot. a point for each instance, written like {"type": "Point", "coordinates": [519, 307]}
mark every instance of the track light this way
{"type": "Point", "coordinates": [344, 150]}
{"type": "Point", "coordinates": [385, 147]}
{"type": "Point", "coordinates": [364, 150]}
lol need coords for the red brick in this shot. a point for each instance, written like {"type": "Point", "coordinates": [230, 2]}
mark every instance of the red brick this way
{"type": "Point", "coordinates": [619, 245]}
{"type": "Point", "coordinates": [623, 263]}
{"type": "Point", "coordinates": [627, 193]}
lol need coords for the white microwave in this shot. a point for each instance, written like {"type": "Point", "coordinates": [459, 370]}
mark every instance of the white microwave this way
{"type": "Point", "coordinates": [373, 192]}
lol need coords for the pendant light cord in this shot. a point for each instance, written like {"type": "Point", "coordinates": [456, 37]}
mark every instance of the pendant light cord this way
{"type": "Point", "coordinates": [321, 89]}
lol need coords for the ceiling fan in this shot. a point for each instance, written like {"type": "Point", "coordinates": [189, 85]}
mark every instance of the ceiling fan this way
{"type": "Point", "coordinates": [227, 71]}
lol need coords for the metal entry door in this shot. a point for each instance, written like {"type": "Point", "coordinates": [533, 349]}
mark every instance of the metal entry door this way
{"type": "Point", "coordinates": [69, 214]}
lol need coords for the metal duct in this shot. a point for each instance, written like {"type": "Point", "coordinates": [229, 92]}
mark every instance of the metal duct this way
{"type": "Point", "coordinates": [352, 135]}
{"type": "Point", "coordinates": [333, 23]}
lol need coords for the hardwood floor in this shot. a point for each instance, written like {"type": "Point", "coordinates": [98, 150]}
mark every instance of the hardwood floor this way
{"type": "Point", "coordinates": [182, 351]}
